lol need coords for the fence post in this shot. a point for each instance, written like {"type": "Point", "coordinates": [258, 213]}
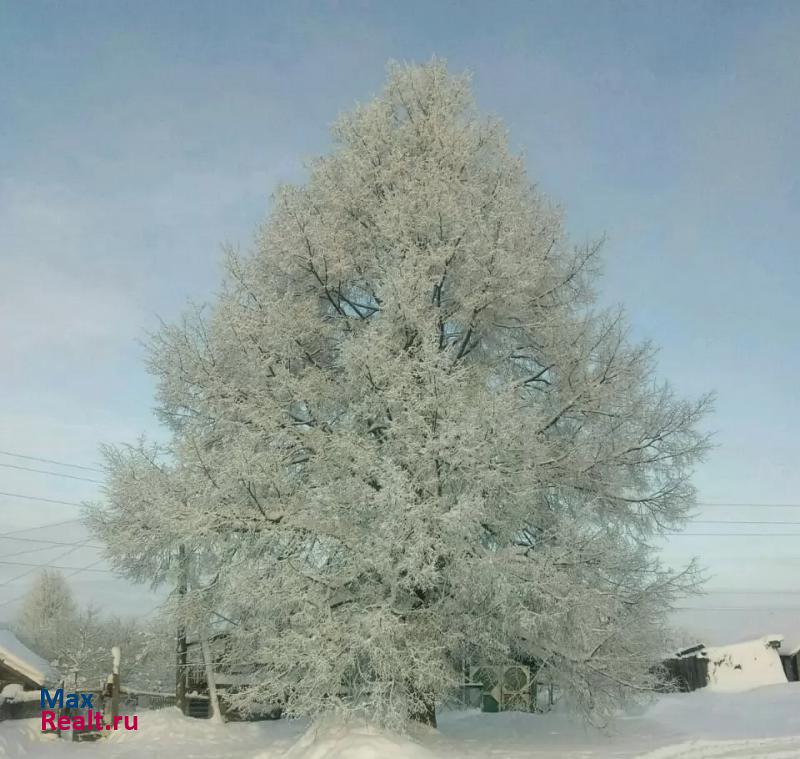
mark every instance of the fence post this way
{"type": "Point", "coordinates": [61, 710]}
{"type": "Point", "coordinates": [213, 699]}
{"type": "Point", "coordinates": [115, 653]}
{"type": "Point", "coordinates": [181, 674]}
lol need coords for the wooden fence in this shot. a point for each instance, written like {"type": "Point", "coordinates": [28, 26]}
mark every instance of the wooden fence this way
{"type": "Point", "coordinates": [687, 674]}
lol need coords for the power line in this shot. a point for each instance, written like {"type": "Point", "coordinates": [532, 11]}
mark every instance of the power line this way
{"type": "Point", "coordinates": [736, 608]}
{"type": "Point", "coordinates": [87, 568]}
{"type": "Point", "coordinates": [53, 474]}
{"type": "Point", "coordinates": [51, 461]}
{"type": "Point", "coordinates": [41, 526]}
{"type": "Point", "coordinates": [749, 505]}
{"type": "Point", "coordinates": [42, 540]}
{"type": "Point", "coordinates": [28, 550]}
{"type": "Point", "coordinates": [739, 521]}
{"type": "Point", "coordinates": [44, 548]}
{"type": "Point", "coordinates": [37, 498]}
{"type": "Point", "coordinates": [52, 544]}
{"type": "Point", "coordinates": [39, 566]}
{"type": "Point", "coordinates": [727, 558]}
{"type": "Point", "coordinates": [12, 600]}
{"type": "Point", "coordinates": [735, 534]}
{"type": "Point", "coordinates": [725, 591]}
{"type": "Point", "coordinates": [53, 566]}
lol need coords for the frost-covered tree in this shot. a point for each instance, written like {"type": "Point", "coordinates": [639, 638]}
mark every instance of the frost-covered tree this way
{"type": "Point", "coordinates": [77, 641]}
{"type": "Point", "coordinates": [48, 618]}
{"type": "Point", "coordinates": [404, 436]}
{"type": "Point", "coordinates": [71, 638]}
{"type": "Point", "coordinates": [47, 610]}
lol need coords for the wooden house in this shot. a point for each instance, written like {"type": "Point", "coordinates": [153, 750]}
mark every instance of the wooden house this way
{"type": "Point", "coordinates": [21, 666]}
{"type": "Point", "coordinates": [227, 678]}
{"type": "Point", "coordinates": [22, 674]}
{"type": "Point", "coordinates": [688, 669]}
{"type": "Point", "coordinates": [790, 659]}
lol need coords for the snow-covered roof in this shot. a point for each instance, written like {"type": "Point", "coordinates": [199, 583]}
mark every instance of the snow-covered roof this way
{"type": "Point", "coordinates": [742, 666]}
{"type": "Point", "coordinates": [20, 658]}
{"type": "Point", "coordinates": [15, 693]}
{"type": "Point", "coordinates": [689, 651]}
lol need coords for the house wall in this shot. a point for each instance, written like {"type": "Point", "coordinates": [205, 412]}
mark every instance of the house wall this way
{"type": "Point", "coordinates": [22, 710]}
{"type": "Point", "coordinates": [791, 666]}
{"type": "Point", "coordinates": [689, 673]}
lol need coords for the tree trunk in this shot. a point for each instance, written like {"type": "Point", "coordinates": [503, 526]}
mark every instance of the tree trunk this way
{"type": "Point", "coordinates": [181, 670]}
{"type": "Point", "coordinates": [425, 712]}
{"type": "Point", "coordinates": [181, 673]}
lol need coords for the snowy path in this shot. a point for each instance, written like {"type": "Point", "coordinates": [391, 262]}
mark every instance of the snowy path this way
{"type": "Point", "coordinates": [760, 724]}
{"type": "Point", "coordinates": [767, 748]}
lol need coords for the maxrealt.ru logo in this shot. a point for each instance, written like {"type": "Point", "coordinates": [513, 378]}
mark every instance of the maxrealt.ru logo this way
{"type": "Point", "coordinates": [92, 720]}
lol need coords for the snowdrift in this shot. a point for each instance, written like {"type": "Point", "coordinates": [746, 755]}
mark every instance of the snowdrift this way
{"type": "Point", "coordinates": [763, 723]}
{"type": "Point", "coordinates": [747, 665]}
{"type": "Point", "coordinates": [347, 742]}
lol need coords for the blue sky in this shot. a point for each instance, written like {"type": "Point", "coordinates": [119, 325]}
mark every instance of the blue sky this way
{"type": "Point", "coordinates": [135, 138]}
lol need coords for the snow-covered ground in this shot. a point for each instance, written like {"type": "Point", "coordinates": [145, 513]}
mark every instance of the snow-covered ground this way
{"type": "Point", "coordinates": [759, 724]}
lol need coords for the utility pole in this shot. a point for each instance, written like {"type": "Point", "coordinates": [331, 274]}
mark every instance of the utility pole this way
{"type": "Point", "coordinates": [181, 673]}
{"type": "Point", "coordinates": [62, 710]}
{"type": "Point", "coordinates": [115, 684]}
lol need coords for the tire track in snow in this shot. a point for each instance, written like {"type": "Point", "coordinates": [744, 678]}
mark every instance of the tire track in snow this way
{"type": "Point", "coordinates": [764, 748]}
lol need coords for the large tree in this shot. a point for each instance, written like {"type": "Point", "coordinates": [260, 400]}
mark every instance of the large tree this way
{"type": "Point", "coordinates": [404, 436]}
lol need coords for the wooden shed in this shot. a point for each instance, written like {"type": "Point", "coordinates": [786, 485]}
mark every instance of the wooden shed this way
{"type": "Point", "coordinates": [688, 668]}
{"type": "Point", "coordinates": [790, 659]}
